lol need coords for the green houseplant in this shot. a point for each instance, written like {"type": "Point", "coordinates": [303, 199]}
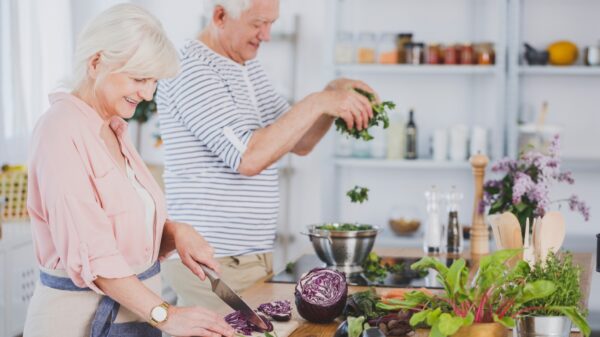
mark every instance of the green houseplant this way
{"type": "Point", "coordinates": [498, 294]}
{"type": "Point", "coordinates": [564, 302]}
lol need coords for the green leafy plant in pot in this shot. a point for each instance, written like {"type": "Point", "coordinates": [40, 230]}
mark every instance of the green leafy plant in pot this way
{"type": "Point", "coordinates": [497, 295]}
{"type": "Point", "coordinates": [553, 315]}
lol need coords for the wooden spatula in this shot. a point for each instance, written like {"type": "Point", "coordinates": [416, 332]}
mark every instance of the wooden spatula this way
{"type": "Point", "coordinates": [552, 234]}
{"type": "Point", "coordinates": [510, 231]}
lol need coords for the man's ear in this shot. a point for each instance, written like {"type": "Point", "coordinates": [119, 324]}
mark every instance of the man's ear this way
{"type": "Point", "coordinates": [219, 16]}
{"type": "Point", "coordinates": [93, 68]}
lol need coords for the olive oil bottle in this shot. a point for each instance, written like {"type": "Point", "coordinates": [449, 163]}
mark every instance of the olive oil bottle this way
{"type": "Point", "coordinates": [411, 136]}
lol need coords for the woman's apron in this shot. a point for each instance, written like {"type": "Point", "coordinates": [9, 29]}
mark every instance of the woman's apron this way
{"type": "Point", "coordinates": [60, 308]}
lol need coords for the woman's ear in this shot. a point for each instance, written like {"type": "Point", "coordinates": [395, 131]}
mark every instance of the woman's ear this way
{"type": "Point", "coordinates": [219, 16]}
{"type": "Point", "coordinates": [94, 66]}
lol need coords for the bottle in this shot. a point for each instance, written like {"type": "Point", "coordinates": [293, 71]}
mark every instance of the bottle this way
{"type": "Point", "coordinates": [396, 136]}
{"type": "Point", "coordinates": [453, 229]}
{"type": "Point", "coordinates": [433, 230]}
{"type": "Point", "coordinates": [411, 137]}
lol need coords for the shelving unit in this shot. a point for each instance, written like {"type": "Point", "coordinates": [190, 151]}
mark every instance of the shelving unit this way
{"type": "Point", "coordinates": [426, 164]}
{"type": "Point", "coordinates": [403, 69]}
{"type": "Point", "coordinates": [558, 71]}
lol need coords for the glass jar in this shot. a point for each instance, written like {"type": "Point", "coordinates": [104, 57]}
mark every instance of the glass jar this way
{"type": "Point", "coordinates": [486, 54]}
{"type": "Point", "coordinates": [434, 54]}
{"type": "Point", "coordinates": [401, 40]}
{"type": "Point", "coordinates": [387, 49]}
{"type": "Point", "coordinates": [414, 53]}
{"type": "Point", "coordinates": [344, 48]}
{"type": "Point", "coordinates": [366, 48]}
{"type": "Point", "coordinates": [450, 54]}
{"type": "Point", "coordinates": [467, 54]}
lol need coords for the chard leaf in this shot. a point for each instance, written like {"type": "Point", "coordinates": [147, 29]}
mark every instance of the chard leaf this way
{"type": "Point", "coordinates": [355, 326]}
{"type": "Point", "coordinates": [433, 316]}
{"type": "Point", "coordinates": [507, 321]}
{"type": "Point", "coordinates": [576, 317]}
{"type": "Point", "coordinates": [537, 289]}
{"type": "Point", "coordinates": [469, 319]}
{"type": "Point", "coordinates": [430, 262]}
{"type": "Point", "coordinates": [448, 324]}
{"type": "Point", "coordinates": [419, 317]}
{"type": "Point", "coordinates": [453, 277]}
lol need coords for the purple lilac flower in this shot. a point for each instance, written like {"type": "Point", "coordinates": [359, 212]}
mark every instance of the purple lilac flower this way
{"type": "Point", "coordinates": [577, 204]}
{"type": "Point", "coordinates": [504, 165]}
{"type": "Point", "coordinates": [522, 185]}
{"type": "Point", "coordinates": [554, 149]}
{"type": "Point", "coordinates": [566, 176]}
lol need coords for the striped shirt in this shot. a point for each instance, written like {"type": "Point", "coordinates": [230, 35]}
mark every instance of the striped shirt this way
{"type": "Point", "coordinates": [207, 115]}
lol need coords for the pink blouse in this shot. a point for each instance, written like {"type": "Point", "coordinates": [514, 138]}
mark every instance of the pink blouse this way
{"type": "Point", "coordinates": [86, 216]}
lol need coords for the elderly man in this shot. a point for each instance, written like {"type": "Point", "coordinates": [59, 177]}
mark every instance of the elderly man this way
{"type": "Point", "coordinates": [224, 127]}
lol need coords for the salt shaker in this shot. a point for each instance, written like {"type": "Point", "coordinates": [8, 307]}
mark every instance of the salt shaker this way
{"type": "Point", "coordinates": [433, 229]}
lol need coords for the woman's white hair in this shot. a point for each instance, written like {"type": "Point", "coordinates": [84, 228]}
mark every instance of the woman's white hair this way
{"type": "Point", "coordinates": [129, 40]}
{"type": "Point", "coordinates": [234, 8]}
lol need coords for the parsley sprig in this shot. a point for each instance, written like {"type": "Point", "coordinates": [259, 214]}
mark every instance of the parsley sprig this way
{"type": "Point", "coordinates": [380, 115]}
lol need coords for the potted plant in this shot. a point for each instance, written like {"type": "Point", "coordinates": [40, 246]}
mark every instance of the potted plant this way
{"type": "Point", "coordinates": [553, 315]}
{"type": "Point", "coordinates": [525, 187]}
{"type": "Point", "coordinates": [487, 306]}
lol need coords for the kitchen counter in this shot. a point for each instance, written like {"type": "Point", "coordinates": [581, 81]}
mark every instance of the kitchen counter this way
{"type": "Point", "coordinates": [263, 292]}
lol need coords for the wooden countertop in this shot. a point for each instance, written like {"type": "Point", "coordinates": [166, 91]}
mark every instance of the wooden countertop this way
{"type": "Point", "coordinates": [263, 292]}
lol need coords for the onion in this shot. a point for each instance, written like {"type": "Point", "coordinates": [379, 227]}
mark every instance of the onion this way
{"type": "Point", "coordinates": [277, 310]}
{"type": "Point", "coordinates": [321, 295]}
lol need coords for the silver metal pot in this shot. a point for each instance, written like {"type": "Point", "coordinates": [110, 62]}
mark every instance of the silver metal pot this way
{"type": "Point", "coordinates": [544, 326]}
{"type": "Point", "coordinates": [343, 250]}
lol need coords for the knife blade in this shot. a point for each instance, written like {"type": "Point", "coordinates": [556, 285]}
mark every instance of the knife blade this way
{"type": "Point", "coordinates": [225, 293]}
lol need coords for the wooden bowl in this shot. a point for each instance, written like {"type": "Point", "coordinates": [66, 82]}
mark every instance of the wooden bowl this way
{"type": "Point", "coordinates": [403, 226]}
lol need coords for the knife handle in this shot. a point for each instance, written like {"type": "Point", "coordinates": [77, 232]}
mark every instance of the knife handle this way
{"type": "Point", "coordinates": [211, 274]}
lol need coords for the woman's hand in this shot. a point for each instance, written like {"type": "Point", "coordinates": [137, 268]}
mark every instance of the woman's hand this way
{"type": "Point", "coordinates": [193, 249]}
{"type": "Point", "coordinates": [195, 321]}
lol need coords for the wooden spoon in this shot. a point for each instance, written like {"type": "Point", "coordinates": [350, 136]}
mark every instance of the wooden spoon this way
{"type": "Point", "coordinates": [510, 231]}
{"type": "Point", "coordinates": [552, 234]}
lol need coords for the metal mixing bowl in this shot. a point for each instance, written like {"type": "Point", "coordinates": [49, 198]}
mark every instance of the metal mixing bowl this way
{"type": "Point", "coordinates": [344, 250]}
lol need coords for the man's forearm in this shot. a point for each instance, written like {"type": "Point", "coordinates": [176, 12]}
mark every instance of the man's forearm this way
{"type": "Point", "coordinates": [313, 135]}
{"type": "Point", "coordinates": [269, 144]}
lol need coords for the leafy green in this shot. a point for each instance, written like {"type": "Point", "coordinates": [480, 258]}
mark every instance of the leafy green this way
{"type": "Point", "coordinates": [376, 271]}
{"type": "Point", "coordinates": [347, 227]}
{"type": "Point", "coordinates": [289, 267]}
{"type": "Point", "coordinates": [355, 326]}
{"type": "Point", "coordinates": [364, 303]}
{"type": "Point", "coordinates": [498, 293]}
{"type": "Point", "coordinates": [565, 275]}
{"type": "Point", "coordinates": [380, 115]}
{"type": "Point", "coordinates": [358, 194]}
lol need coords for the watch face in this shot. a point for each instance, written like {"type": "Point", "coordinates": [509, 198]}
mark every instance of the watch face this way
{"type": "Point", "coordinates": [159, 314]}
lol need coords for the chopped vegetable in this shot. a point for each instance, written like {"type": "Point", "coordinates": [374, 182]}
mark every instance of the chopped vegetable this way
{"type": "Point", "coordinates": [380, 115]}
{"type": "Point", "coordinates": [347, 227]}
{"type": "Point", "coordinates": [277, 310]}
{"type": "Point", "coordinates": [363, 303]}
{"type": "Point", "coordinates": [321, 295]}
{"type": "Point", "coordinates": [375, 271]}
{"type": "Point", "coordinates": [356, 325]}
{"type": "Point", "coordinates": [358, 194]}
{"type": "Point", "coordinates": [289, 267]}
{"type": "Point", "coordinates": [242, 325]}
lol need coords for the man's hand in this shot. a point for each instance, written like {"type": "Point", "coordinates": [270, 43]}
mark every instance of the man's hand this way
{"type": "Point", "coordinates": [194, 249]}
{"type": "Point", "coordinates": [349, 84]}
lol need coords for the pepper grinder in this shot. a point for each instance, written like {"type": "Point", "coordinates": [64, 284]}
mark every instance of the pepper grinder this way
{"type": "Point", "coordinates": [453, 229]}
{"type": "Point", "coordinates": [479, 232]}
{"type": "Point", "coordinates": [433, 230]}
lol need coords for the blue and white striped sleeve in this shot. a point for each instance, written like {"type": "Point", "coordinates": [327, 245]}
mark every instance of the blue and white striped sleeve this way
{"type": "Point", "coordinates": [206, 107]}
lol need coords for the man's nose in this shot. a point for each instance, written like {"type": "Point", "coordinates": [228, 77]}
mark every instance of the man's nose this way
{"type": "Point", "coordinates": [265, 32]}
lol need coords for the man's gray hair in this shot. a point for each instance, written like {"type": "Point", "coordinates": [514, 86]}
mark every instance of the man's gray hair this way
{"type": "Point", "coordinates": [233, 7]}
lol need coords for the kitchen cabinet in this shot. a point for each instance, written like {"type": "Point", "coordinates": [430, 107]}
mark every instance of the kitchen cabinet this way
{"type": "Point", "coordinates": [18, 276]}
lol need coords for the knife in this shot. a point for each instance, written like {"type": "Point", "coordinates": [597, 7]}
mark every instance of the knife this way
{"type": "Point", "coordinates": [232, 299]}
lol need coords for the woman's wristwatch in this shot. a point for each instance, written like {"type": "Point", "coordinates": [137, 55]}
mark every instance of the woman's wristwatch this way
{"type": "Point", "coordinates": [159, 314]}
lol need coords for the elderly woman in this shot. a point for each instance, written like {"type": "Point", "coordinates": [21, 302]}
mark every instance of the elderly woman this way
{"type": "Point", "coordinates": [99, 219]}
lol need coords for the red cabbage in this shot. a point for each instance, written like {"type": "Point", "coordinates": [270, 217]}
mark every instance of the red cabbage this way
{"type": "Point", "coordinates": [241, 324]}
{"type": "Point", "coordinates": [321, 295]}
{"type": "Point", "coordinates": [277, 310]}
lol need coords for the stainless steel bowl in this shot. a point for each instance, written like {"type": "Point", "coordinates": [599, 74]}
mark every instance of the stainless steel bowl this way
{"type": "Point", "coordinates": [545, 326]}
{"type": "Point", "coordinates": [343, 250]}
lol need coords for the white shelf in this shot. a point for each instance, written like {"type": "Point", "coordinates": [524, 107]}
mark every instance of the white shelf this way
{"type": "Point", "coordinates": [393, 69]}
{"type": "Point", "coordinates": [401, 164]}
{"type": "Point", "coordinates": [559, 71]}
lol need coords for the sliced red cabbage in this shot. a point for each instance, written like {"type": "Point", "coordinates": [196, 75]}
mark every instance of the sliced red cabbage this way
{"type": "Point", "coordinates": [241, 324]}
{"type": "Point", "coordinates": [321, 295]}
{"type": "Point", "coordinates": [277, 310]}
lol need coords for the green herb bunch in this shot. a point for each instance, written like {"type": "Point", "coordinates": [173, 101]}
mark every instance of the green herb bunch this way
{"type": "Point", "coordinates": [375, 271]}
{"type": "Point", "coordinates": [566, 299]}
{"type": "Point", "coordinates": [364, 303]}
{"type": "Point", "coordinates": [358, 194]}
{"type": "Point", "coordinates": [380, 115]}
{"type": "Point", "coordinates": [347, 227]}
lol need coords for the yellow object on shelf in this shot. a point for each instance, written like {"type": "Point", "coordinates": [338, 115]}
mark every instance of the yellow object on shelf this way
{"type": "Point", "coordinates": [13, 187]}
{"type": "Point", "coordinates": [562, 53]}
